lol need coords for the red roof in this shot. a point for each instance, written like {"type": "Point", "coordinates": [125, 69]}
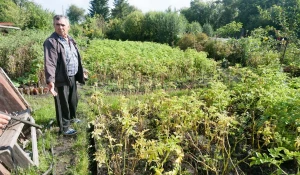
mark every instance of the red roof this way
{"type": "Point", "coordinates": [6, 23]}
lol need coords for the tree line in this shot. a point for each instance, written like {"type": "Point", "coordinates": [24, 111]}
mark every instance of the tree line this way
{"type": "Point", "coordinates": [221, 18]}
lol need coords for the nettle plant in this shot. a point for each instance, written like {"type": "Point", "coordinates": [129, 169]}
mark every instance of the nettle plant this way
{"type": "Point", "coordinates": [267, 101]}
{"type": "Point", "coordinates": [143, 67]}
{"type": "Point", "coordinates": [165, 134]}
{"type": "Point", "coordinates": [246, 120]}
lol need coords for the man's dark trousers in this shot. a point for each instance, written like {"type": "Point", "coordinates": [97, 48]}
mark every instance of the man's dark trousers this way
{"type": "Point", "coordinates": [66, 104]}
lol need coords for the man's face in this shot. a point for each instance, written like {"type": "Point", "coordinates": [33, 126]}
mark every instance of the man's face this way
{"type": "Point", "coordinates": [62, 27]}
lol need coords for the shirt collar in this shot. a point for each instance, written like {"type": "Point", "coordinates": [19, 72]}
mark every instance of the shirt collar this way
{"type": "Point", "coordinates": [61, 38]}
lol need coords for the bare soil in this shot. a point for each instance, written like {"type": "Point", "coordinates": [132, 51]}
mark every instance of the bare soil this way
{"type": "Point", "coordinates": [64, 155]}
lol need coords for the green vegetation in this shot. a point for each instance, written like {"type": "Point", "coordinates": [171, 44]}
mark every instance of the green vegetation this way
{"type": "Point", "coordinates": [142, 67]}
{"type": "Point", "coordinates": [58, 154]}
{"type": "Point", "coordinates": [21, 56]}
{"type": "Point", "coordinates": [25, 14]}
{"type": "Point", "coordinates": [242, 119]}
{"type": "Point", "coordinates": [190, 103]}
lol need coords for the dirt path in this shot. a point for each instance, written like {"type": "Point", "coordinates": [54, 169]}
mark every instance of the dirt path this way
{"type": "Point", "coordinates": [64, 155]}
{"type": "Point", "coordinates": [65, 150]}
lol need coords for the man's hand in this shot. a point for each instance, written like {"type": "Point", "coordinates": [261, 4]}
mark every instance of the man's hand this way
{"type": "Point", "coordinates": [51, 89]}
{"type": "Point", "coordinates": [4, 119]}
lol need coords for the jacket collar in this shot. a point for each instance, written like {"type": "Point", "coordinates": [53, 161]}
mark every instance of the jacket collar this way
{"type": "Point", "coordinates": [56, 37]}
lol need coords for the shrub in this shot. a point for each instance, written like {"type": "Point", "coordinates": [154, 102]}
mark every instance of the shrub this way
{"type": "Point", "coordinates": [163, 27]}
{"type": "Point", "coordinates": [194, 28]}
{"type": "Point", "coordinates": [229, 30]}
{"type": "Point", "coordinates": [133, 26]}
{"type": "Point", "coordinates": [21, 55]}
{"type": "Point", "coordinates": [95, 27]}
{"type": "Point", "coordinates": [218, 49]}
{"type": "Point", "coordinates": [201, 38]}
{"type": "Point", "coordinates": [193, 41]}
{"type": "Point", "coordinates": [187, 41]}
{"type": "Point", "coordinates": [208, 29]}
{"type": "Point", "coordinates": [115, 29]}
{"type": "Point", "coordinates": [290, 56]}
{"type": "Point", "coordinates": [76, 30]}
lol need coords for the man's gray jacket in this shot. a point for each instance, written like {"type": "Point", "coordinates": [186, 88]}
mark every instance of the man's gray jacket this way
{"type": "Point", "coordinates": [55, 62]}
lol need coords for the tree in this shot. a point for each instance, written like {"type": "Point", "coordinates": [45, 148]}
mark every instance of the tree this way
{"type": "Point", "coordinates": [133, 26]}
{"type": "Point", "coordinates": [36, 17]}
{"type": "Point", "coordinates": [285, 15]}
{"type": "Point", "coordinates": [229, 30]}
{"type": "Point", "coordinates": [249, 13]}
{"type": "Point", "coordinates": [94, 26]}
{"type": "Point", "coordinates": [20, 3]}
{"type": "Point", "coordinates": [122, 9]}
{"type": "Point", "coordinates": [75, 14]}
{"type": "Point", "coordinates": [194, 28]}
{"type": "Point", "coordinates": [163, 27]}
{"type": "Point", "coordinates": [202, 12]}
{"type": "Point", "coordinates": [115, 29]}
{"type": "Point", "coordinates": [10, 12]}
{"type": "Point", "coordinates": [208, 29]}
{"type": "Point", "coordinates": [99, 7]}
{"type": "Point", "coordinates": [29, 15]}
{"type": "Point", "coordinates": [229, 12]}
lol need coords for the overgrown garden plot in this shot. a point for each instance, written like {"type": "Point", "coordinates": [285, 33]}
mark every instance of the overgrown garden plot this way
{"type": "Point", "coordinates": [242, 121]}
{"type": "Point", "coordinates": [198, 119]}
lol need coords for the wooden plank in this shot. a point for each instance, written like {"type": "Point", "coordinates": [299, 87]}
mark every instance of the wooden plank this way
{"type": "Point", "coordinates": [6, 159]}
{"type": "Point", "coordinates": [3, 170]}
{"type": "Point", "coordinates": [35, 154]}
{"type": "Point", "coordinates": [21, 157]}
{"type": "Point", "coordinates": [9, 27]}
{"type": "Point", "coordinates": [18, 157]}
{"type": "Point", "coordinates": [8, 143]}
{"type": "Point", "coordinates": [10, 136]}
{"type": "Point", "coordinates": [10, 98]}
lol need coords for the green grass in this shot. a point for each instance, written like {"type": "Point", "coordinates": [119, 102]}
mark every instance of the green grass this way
{"type": "Point", "coordinates": [43, 111]}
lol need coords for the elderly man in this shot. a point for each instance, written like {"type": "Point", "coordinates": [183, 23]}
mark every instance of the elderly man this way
{"type": "Point", "coordinates": [62, 63]}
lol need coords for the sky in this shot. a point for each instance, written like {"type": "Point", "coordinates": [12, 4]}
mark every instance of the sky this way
{"type": "Point", "coordinates": [60, 6]}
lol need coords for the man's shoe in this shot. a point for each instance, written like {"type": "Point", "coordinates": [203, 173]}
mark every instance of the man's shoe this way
{"type": "Point", "coordinates": [75, 120]}
{"type": "Point", "coordinates": [70, 132]}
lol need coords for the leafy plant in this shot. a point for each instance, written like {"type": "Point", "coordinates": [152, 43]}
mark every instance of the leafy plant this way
{"type": "Point", "coordinates": [229, 30]}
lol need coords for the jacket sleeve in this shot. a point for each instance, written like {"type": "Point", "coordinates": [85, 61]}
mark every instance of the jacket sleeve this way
{"type": "Point", "coordinates": [50, 61]}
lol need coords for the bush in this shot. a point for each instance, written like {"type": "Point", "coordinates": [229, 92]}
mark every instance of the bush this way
{"type": "Point", "coordinates": [187, 41]}
{"type": "Point", "coordinates": [21, 56]}
{"type": "Point", "coordinates": [201, 39]}
{"type": "Point", "coordinates": [163, 27]}
{"type": "Point", "coordinates": [218, 49]}
{"type": "Point", "coordinates": [208, 29]}
{"type": "Point", "coordinates": [194, 28]}
{"type": "Point", "coordinates": [193, 41]}
{"type": "Point", "coordinates": [290, 56]}
{"type": "Point", "coordinates": [229, 30]}
{"type": "Point", "coordinates": [76, 30]}
{"type": "Point", "coordinates": [95, 27]}
{"type": "Point", "coordinates": [115, 29]}
{"type": "Point", "coordinates": [133, 26]}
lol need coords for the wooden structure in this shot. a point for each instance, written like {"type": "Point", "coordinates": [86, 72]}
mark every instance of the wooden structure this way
{"type": "Point", "coordinates": [15, 136]}
{"type": "Point", "coordinates": [5, 27]}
